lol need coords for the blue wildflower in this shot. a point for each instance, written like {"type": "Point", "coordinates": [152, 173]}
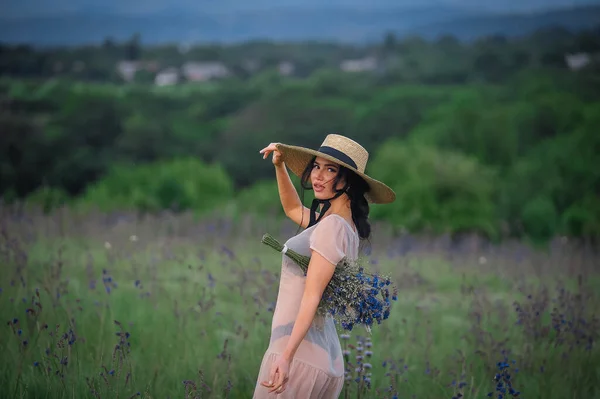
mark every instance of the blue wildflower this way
{"type": "Point", "coordinates": [503, 381]}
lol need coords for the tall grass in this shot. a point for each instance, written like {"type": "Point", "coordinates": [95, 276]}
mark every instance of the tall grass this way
{"type": "Point", "coordinates": [114, 306]}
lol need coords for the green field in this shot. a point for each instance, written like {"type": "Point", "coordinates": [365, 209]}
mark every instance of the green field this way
{"type": "Point", "coordinates": [170, 306]}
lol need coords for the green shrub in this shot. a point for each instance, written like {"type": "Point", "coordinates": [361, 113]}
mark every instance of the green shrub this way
{"type": "Point", "coordinates": [437, 190]}
{"type": "Point", "coordinates": [179, 184]}
{"type": "Point", "coordinates": [262, 198]}
{"type": "Point", "coordinates": [47, 198]}
{"type": "Point", "coordinates": [539, 217]}
{"type": "Point", "coordinates": [582, 218]}
{"type": "Point", "coordinates": [560, 173]}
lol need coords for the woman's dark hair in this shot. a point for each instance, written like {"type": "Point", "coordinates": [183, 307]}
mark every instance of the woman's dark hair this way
{"type": "Point", "coordinates": [355, 188]}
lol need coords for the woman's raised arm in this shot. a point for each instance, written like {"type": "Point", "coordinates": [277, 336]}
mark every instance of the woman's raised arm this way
{"type": "Point", "coordinates": [292, 206]}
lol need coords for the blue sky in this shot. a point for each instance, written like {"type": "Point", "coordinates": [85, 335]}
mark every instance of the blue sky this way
{"type": "Point", "coordinates": [45, 7]}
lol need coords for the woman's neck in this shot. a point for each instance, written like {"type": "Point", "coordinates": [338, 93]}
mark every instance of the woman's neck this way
{"type": "Point", "coordinates": [341, 206]}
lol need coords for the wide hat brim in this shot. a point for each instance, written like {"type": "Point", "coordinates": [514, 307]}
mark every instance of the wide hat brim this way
{"type": "Point", "coordinates": [297, 158]}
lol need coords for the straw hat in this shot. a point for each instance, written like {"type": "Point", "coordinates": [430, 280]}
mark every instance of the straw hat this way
{"type": "Point", "coordinates": [343, 151]}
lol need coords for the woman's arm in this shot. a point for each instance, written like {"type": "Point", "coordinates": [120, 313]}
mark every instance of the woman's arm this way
{"type": "Point", "coordinates": [292, 206]}
{"type": "Point", "coordinates": [320, 271]}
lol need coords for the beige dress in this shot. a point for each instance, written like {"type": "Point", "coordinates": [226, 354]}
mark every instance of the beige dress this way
{"type": "Point", "coordinates": [317, 370]}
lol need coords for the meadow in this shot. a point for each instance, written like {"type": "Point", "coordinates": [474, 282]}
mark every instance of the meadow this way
{"type": "Point", "coordinates": [114, 305]}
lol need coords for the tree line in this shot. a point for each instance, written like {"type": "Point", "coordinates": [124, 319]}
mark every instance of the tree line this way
{"type": "Point", "coordinates": [401, 59]}
{"type": "Point", "coordinates": [509, 151]}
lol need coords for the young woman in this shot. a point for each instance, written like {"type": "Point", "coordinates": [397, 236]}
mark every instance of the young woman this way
{"type": "Point", "coordinates": [304, 358]}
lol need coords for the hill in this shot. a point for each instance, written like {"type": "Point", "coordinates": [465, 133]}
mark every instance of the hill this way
{"type": "Point", "coordinates": [332, 24]}
{"type": "Point", "coordinates": [467, 28]}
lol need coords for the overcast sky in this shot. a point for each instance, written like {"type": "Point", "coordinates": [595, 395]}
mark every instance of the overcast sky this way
{"type": "Point", "coordinates": [29, 7]}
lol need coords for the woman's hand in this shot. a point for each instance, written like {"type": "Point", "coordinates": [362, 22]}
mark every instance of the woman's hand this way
{"type": "Point", "coordinates": [279, 375]}
{"type": "Point", "coordinates": [271, 148]}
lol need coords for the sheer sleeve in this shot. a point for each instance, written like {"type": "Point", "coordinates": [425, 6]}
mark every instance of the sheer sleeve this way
{"type": "Point", "coordinates": [330, 238]}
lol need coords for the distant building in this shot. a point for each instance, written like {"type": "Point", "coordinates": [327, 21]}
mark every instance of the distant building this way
{"type": "Point", "coordinates": [203, 71]}
{"type": "Point", "coordinates": [359, 65]}
{"type": "Point", "coordinates": [128, 69]}
{"type": "Point", "coordinates": [286, 68]}
{"type": "Point", "coordinates": [168, 77]}
{"type": "Point", "coordinates": [577, 61]}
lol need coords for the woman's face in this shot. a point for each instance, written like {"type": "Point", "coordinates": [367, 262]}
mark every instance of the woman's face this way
{"type": "Point", "coordinates": [322, 178]}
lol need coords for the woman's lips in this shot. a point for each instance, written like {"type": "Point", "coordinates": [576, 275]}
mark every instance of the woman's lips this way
{"type": "Point", "coordinates": [318, 188]}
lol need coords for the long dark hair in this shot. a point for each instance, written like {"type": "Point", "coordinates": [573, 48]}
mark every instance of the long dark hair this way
{"type": "Point", "coordinates": [355, 189]}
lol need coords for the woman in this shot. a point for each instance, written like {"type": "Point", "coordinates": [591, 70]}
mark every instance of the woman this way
{"type": "Point", "coordinates": [304, 358]}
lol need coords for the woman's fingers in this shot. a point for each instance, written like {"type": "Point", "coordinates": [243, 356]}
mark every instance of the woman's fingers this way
{"type": "Point", "coordinates": [266, 384]}
{"type": "Point", "coordinates": [273, 376]}
{"type": "Point", "coordinates": [270, 147]}
{"type": "Point", "coordinates": [275, 379]}
{"type": "Point", "coordinates": [281, 387]}
{"type": "Point", "coordinates": [278, 386]}
{"type": "Point", "coordinates": [276, 154]}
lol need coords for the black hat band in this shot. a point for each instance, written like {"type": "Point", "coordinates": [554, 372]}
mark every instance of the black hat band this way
{"type": "Point", "coordinates": [338, 155]}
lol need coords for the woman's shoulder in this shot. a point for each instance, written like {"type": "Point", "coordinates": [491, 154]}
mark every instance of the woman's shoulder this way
{"type": "Point", "coordinates": [334, 238]}
{"type": "Point", "coordinates": [335, 222]}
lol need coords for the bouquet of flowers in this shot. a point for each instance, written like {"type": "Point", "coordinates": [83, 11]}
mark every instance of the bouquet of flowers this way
{"type": "Point", "coordinates": [353, 295]}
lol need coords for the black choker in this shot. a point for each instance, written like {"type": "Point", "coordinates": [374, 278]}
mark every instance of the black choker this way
{"type": "Point", "coordinates": [326, 205]}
